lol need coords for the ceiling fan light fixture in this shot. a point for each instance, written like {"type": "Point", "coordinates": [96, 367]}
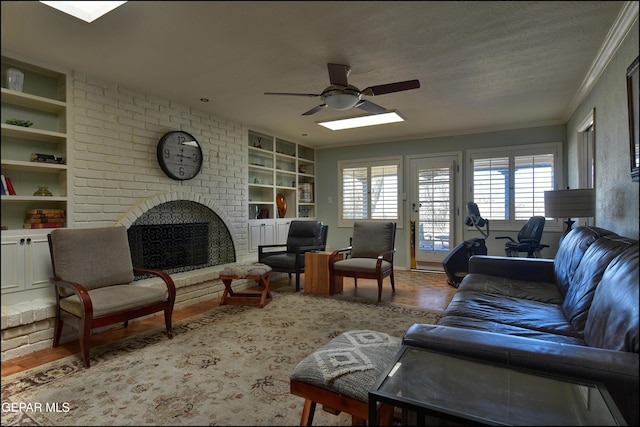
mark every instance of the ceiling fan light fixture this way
{"type": "Point", "coordinates": [363, 121]}
{"type": "Point", "coordinates": [342, 101]}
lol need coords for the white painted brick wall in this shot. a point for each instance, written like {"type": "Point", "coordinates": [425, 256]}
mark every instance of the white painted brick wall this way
{"type": "Point", "coordinates": [113, 139]}
{"type": "Point", "coordinates": [113, 134]}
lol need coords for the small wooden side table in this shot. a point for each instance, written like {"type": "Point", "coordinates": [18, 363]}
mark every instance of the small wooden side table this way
{"type": "Point", "coordinates": [316, 274]}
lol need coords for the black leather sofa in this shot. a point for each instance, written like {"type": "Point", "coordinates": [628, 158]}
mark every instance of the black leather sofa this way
{"type": "Point", "coordinates": [575, 315]}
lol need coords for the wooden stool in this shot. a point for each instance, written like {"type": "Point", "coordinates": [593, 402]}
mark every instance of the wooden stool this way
{"type": "Point", "coordinates": [258, 272]}
{"type": "Point", "coordinates": [340, 374]}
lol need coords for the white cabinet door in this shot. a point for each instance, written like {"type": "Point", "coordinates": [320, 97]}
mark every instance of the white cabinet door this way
{"type": "Point", "coordinates": [260, 233]}
{"type": "Point", "coordinates": [26, 263]}
{"type": "Point", "coordinates": [282, 232]}
{"type": "Point", "coordinates": [38, 263]}
{"type": "Point", "coordinates": [12, 264]}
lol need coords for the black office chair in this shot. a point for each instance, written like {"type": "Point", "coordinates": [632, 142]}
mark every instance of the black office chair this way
{"type": "Point", "coordinates": [528, 239]}
{"type": "Point", "coordinates": [304, 236]}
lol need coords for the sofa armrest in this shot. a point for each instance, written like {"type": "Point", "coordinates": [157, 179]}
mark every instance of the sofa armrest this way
{"type": "Point", "coordinates": [617, 370]}
{"type": "Point", "coordinates": [532, 269]}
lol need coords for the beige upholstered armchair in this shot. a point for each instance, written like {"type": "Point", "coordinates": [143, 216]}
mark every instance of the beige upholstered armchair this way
{"type": "Point", "coordinates": [93, 276]}
{"type": "Point", "coordinates": [370, 255]}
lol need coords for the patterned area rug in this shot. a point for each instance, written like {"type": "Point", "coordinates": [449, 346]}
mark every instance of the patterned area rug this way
{"type": "Point", "coordinates": [229, 366]}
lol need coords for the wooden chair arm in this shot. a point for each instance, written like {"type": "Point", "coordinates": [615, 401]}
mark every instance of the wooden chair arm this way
{"type": "Point", "coordinates": [168, 280]}
{"type": "Point", "coordinates": [77, 289]}
{"type": "Point", "coordinates": [381, 257]}
{"type": "Point", "coordinates": [335, 253]}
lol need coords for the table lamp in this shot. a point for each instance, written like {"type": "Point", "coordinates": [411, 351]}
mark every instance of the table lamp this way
{"type": "Point", "coordinates": [575, 203]}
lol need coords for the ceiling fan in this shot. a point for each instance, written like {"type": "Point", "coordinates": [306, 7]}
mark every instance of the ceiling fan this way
{"type": "Point", "coordinates": [342, 96]}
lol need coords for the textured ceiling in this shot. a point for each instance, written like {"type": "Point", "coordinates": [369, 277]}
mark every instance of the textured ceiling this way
{"type": "Point", "coordinates": [482, 65]}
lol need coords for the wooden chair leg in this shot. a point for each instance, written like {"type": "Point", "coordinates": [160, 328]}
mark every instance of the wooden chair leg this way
{"type": "Point", "coordinates": [84, 334]}
{"type": "Point", "coordinates": [308, 410]}
{"type": "Point", "coordinates": [357, 421]}
{"type": "Point", "coordinates": [167, 321]}
{"type": "Point", "coordinates": [379, 289]}
{"type": "Point", "coordinates": [57, 332]}
{"type": "Point", "coordinates": [393, 282]}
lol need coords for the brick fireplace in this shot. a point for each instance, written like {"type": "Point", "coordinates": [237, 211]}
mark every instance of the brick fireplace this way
{"type": "Point", "coordinates": [180, 235]}
{"type": "Point", "coordinates": [178, 232]}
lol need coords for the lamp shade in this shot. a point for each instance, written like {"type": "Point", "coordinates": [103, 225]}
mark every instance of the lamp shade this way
{"type": "Point", "coordinates": [575, 203]}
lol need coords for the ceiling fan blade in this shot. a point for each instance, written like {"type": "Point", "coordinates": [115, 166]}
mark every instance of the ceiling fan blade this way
{"type": "Point", "coordinates": [314, 110]}
{"type": "Point", "coordinates": [310, 95]}
{"type": "Point", "coordinates": [338, 74]}
{"type": "Point", "coordinates": [370, 107]}
{"type": "Point", "coordinates": [391, 87]}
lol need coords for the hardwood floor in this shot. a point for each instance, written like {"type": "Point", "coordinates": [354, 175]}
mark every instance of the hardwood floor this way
{"type": "Point", "coordinates": [426, 290]}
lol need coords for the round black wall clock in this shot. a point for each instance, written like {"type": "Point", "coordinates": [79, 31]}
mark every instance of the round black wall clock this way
{"type": "Point", "coordinates": [179, 155]}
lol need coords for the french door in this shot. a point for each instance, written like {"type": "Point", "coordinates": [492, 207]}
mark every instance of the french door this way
{"type": "Point", "coordinates": [433, 207]}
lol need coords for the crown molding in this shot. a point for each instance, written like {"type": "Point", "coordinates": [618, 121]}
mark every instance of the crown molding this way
{"type": "Point", "coordinates": [627, 16]}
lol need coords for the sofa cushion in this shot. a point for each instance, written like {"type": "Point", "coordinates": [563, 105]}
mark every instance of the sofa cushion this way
{"type": "Point", "coordinates": [613, 318]}
{"type": "Point", "coordinates": [587, 276]}
{"type": "Point", "coordinates": [112, 299]}
{"type": "Point", "coordinates": [538, 291]}
{"type": "Point", "coordinates": [522, 313]}
{"type": "Point", "coordinates": [379, 238]}
{"type": "Point", "coordinates": [470, 323]}
{"type": "Point", "coordinates": [106, 265]}
{"type": "Point", "coordinates": [571, 251]}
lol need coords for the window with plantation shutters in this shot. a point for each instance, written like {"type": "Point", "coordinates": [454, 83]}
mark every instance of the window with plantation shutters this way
{"type": "Point", "coordinates": [370, 190]}
{"type": "Point", "coordinates": [508, 185]}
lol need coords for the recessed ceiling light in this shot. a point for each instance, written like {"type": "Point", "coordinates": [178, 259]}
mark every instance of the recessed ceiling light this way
{"type": "Point", "coordinates": [357, 122]}
{"type": "Point", "coordinates": [88, 11]}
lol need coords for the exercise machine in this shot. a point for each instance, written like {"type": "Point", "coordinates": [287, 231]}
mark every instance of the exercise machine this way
{"type": "Point", "coordinates": [456, 263]}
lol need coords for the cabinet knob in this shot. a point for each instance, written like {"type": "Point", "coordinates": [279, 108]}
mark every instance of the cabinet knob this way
{"type": "Point", "coordinates": [28, 240]}
{"type": "Point", "coordinates": [22, 241]}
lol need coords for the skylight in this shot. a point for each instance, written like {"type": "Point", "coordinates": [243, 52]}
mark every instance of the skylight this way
{"type": "Point", "coordinates": [357, 122]}
{"type": "Point", "coordinates": [88, 11]}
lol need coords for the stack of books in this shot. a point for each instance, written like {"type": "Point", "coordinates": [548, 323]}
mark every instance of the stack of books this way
{"type": "Point", "coordinates": [44, 218]}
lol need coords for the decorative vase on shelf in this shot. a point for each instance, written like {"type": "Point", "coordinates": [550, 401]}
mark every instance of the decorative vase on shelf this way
{"type": "Point", "coordinates": [42, 191]}
{"type": "Point", "coordinates": [15, 79]}
{"type": "Point", "coordinates": [281, 203]}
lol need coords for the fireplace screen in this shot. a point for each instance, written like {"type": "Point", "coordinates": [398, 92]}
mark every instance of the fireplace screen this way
{"type": "Point", "coordinates": [167, 246]}
{"type": "Point", "coordinates": [180, 236]}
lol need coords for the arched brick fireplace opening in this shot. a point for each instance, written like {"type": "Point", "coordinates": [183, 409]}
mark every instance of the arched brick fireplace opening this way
{"type": "Point", "coordinates": [178, 234]}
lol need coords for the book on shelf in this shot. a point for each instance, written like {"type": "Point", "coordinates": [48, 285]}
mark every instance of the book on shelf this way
{"type": "Point", "coordinates": [44, 211]}
{"type": "Point", "coordinates": [45, 225]}
{"type": "Point", "coordinates": [46, 158]}
{"type": "Point", "coordinates": [3, 182]}
{"type": "Point", "coordinates": [10, 190]}
{"type": "Point", "coordinates": [44, 219]}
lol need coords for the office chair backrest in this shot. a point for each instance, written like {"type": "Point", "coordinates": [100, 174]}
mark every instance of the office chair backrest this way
{"type": "Point", "coordinates": [532, 230]}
